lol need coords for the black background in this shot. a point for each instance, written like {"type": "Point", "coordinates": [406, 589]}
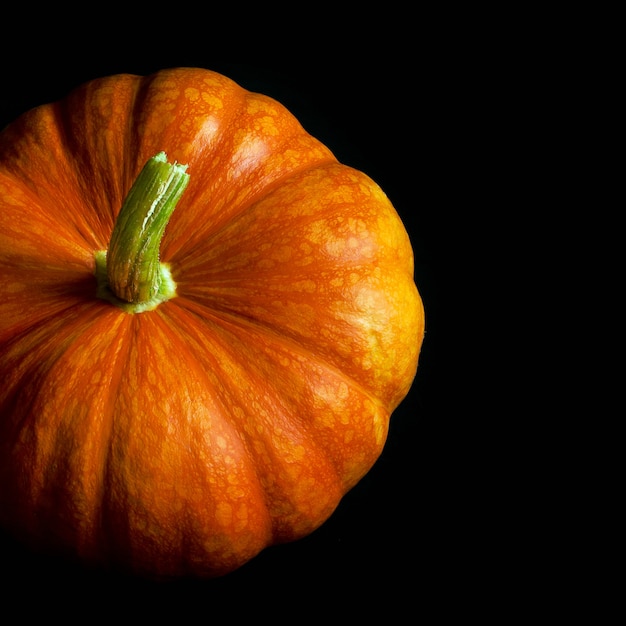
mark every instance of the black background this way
{"type": "Point", "coordinates": [397, 543]}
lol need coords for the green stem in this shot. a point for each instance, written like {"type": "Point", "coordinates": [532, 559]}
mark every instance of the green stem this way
{"type": "Point", "coordinates": [136, 280]}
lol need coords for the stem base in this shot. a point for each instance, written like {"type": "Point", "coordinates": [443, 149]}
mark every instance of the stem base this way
{"type": "Point", "coordinates": [167, 287]}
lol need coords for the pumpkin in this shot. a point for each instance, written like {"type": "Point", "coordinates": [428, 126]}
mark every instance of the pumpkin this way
{"type": "Point", "coordinates": [206, 322]}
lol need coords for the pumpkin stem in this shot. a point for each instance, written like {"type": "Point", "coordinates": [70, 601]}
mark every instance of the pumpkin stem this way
{"type": "Point", "coordinates": [135, 278]}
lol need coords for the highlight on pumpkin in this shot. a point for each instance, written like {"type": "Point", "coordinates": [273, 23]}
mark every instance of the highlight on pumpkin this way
{"type": "Point", "coordinates": [130, 274]}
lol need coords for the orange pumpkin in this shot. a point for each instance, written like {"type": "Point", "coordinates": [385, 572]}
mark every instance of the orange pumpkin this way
{"type": "Point", "coordinates": [182, 388]}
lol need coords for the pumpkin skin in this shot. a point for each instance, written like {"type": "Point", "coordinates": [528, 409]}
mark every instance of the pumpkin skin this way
{"type": "Point", "coordinates": [186, 439]}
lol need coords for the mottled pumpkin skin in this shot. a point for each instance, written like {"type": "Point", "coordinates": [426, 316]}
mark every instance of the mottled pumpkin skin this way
{"type": "Point", "coordinates": [184, 440]}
